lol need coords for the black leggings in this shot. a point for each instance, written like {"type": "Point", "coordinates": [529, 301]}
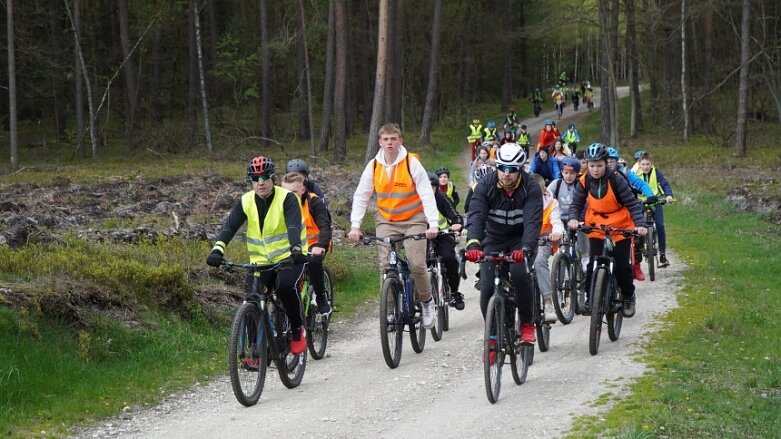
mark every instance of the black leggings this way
{"type": "Point", "coordinates": [445, 246]}
{"type": "Point", "coordinates": [286, 285]}
{"type": "Point", "coordinates": [315, 268]}
{"type": "Point", "coordinates": [622, 268]}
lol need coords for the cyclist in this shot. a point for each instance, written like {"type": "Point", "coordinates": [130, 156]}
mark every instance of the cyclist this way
{"type": "Point", "coordinates": [544, 165]}
{"type": "Point", "coordinates": [489, 132]}
{"type": "Point", "coordinates": [275, 233]}
{"type": "Point", "coordinates": [446, 186]}
{"type": "Point", "coordinates": [661, 187]}
{"type": "Point", "coordinates": [575, 97]}
{"type": "Point", "coordinates": [558, 97]}
{"type": "Point", "coordinates": [475, 135]}
{"type": "Point", "coordinates": [563, 190]}
{"type": "Point", "coordinates": [559, 150]}
{"type": "Point", "coordinates": [571, 137]}
{"type": "Point", "coordinates": [588, 96]}
{"type": "Point", "coordinates": [300, 166]}
{"type": "Point", "coordinates": [405, 206]}
{"type": "Point", "coordinates": [581, 155]}
{"type": "Point", "coordinates": [508, 136]}
{"type": "Point", "coordinates": [510, 119]}
{"type": "Point", "coordinates": [554, 229]}
{"type": "Point", "coordinates": [317, 220]}
{"type": "Point", "coordinates": [537, 97]}
{"type": "Point", "coordinates": [523, 137]}
{"type": "Point", "coordinates": [563, 78]}
{"type": "Point", "coordinates": [482, 158]}
{"type": "Point", "coordinates": [506, 215]}
{"type": "Point", "coordinates": [477, 175]}
{"type": "Point", "coordinates": [445, 245]}
{"type": "Point", "coordinates": [603, 197]}
{"type": "Point", "coordinates": [636, 166]}
{"type": "Point", "coordinates": [548, 134]}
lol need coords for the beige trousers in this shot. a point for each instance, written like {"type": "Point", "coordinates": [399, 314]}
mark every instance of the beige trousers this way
{"type": "Point", "coordinates": [415, 249]}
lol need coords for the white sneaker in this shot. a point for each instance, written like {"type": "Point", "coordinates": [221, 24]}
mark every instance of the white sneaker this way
{"type": "Point", "coordinates": [428, 314]}
{"type": "Point", "coordinates": [550, 313]}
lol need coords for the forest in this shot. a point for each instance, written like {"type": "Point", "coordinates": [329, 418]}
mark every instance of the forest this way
{"type": "Point", "coordinates": [192, 76]}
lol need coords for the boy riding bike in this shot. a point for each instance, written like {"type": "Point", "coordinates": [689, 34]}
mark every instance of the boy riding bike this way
{"type": "Point", "coordinates": [445, 245]}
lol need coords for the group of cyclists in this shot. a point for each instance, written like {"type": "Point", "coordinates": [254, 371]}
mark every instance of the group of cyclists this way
{"type": "Point", "coordinates": [507, 209]}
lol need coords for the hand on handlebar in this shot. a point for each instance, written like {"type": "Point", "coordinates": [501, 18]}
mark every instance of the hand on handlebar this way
{"type": "Point", "coordinates": [573, 224]}
{"type": "Point", "coordinates": [642, 231]}
{"type": "Point", "coordinates": [474, 255]}
{"type": "Point", "coordinates": [355, 234]}
{"type": "Point", "coordinates": [517, 255]}
{"type": "Point", "coordinates": [432, 232]}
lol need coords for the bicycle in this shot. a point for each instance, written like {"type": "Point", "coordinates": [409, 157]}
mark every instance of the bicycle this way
{"type": "Point", "coordinates": [651, 245]}
{"type": "Point", "coordinates": [568, 280]}
{"type": "Point", "coordinates": [440, 289]}
{"type": "Point", "coordinates": [316, 323]}
{"type": "Point", "coordinates": [604, 285]}
{"type": "Point", "coordinates": [260, 334]}
{"type": "Point", "coordinates": [398, 307]}
{"type": "Point", "coordinates": [590, 104]}
{"type": "Point", "coordinates": [501, 337]}
{"type": "Point", "coordinates": [559, 109]}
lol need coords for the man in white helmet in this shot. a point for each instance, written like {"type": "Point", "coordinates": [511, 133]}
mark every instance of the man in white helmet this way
{"type": "Point", "coordinates": [505, 215]}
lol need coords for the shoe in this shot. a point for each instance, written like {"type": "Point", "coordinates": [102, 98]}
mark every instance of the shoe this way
{"type": "Point", "coordinates": [250, 363]}
{"type": "Point", "coordinates": [550, 313]}
{"type": "Point", "coordinates": [457, 301]}
{"type": "Point", "coordinates": [298, 344]}
{"type": "Point", "coordinates": [323, 308]}
{"type": "Point", "coordinates": [663, 262]}
{"type": "Point", "coordinates": [491, 353]}
{"type": "Point", "coordinates": [428, 313]}
{"type": "Point", "coordinates": [528, 333]}
{"type": "Point", "coordinates": [629, 307]}
{"type": "Point", "coordinates": [637, 271]}
{"type": "Point", "coordinates": [477, 284]}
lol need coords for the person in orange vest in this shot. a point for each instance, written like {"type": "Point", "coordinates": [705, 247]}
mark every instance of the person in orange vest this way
{"type": "Point", "coordinates": [553, 228]}
{"type": "Point", "coordinates": [318, 234]}
{"type": "Point", "coordinates": [405, 206]}
{"type": "Point", "coordinates": [604, 197]}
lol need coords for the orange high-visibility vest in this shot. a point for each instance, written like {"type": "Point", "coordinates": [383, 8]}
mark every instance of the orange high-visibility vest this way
{"type": "Point", "coordinates": [312, 231]}
{"type": "Point", "coordinates": [397, 197]}
{"type": "Point", "coordinates": [606, 210]}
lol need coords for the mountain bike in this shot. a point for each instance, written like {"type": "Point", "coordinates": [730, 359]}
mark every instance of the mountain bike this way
{"type": "Point", "coordinates": [500, 338]}
{"type": "Point", "coordinates": [606, 298]}
{"type": "Point", "coordinates": [559, 109]}
{"type": "Point", "coordinates": [398, 305]}
{"type": "Point", "coordinates": [651, 245]}
{"type": "Point", "coordinates": [590, 104]}
{"type": "Point", "coordinates": [260, 334]}
{"type": "Point", "coordinates": [440, 289]}
{"type": "Point", "coordinates": [568, 279]}
{"type": "Point", "coordinates": [542, 327]}
{"type": "Point", "coordinates": [575, 102]}
{"type": "Point", "coordinates": [316, 323]}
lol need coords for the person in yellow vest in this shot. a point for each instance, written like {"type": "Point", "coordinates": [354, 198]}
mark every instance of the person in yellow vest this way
{"type": "Point", "coordinates": [275, 234]}
{"type": "Point", "coordinates": [489, 132]}
{"type": "Point", "coordinates": [553, 228]}
{"type": "Point", "coordinates": [405, 206]}
{"type": "Point", "coordinates": [661, 187]}
{"type": "Point", "coordinates": [318, 235]}
{"type": "Point", "coordinates": [475, 136]}
{"type": "Point", "coordinates": [446, 186]}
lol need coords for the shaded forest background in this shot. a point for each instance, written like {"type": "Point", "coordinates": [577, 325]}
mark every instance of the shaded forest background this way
{"type": "Point", "coordinates": [270, 66]}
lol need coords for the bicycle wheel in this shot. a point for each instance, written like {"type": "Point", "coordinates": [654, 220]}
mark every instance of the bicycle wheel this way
{"type": "Point", "coordinates": [317, 324]}
{"type": "Point", "coordinates": [248, 355]}
{"type": "Point", "coordinates": [520, 359]}
{"type": "Point", "coordinates": [436, 294]}
{"type": "Point", "coordinates": [391, 322]}
{"type": "Point", "coordinates": [598, 292]}
{"type": "Point", "coordinates": [446, 308]}
{"type": "Point", "coordinates": [290, 366]}
{"type": "Point", "coordinates": [417, 333]}
{"type": "Point", "coordinates": [543, 336]}
{"type": "Point", "coordinates": [564, 286]}
{"type": "Point", "coordinates": [493, 348]}
{"type": "Point", "coordinates": [651, 253]}
{"type": "Point", "coordinates": [615, 315]}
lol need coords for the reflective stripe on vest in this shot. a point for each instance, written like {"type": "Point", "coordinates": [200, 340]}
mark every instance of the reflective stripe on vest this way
{"type": "Point", "coordinates": [270, 244]}
{"type": "Point", "coordinates": [397, 196]}
{"type": "Point", "coordinates": [508, 217]}
{"type": "Point", "coordinates": [653, 182]}
{"type": "Point", "coordinates": [443, 222]}
{"type": "Point", "coordinates": [606, 210]}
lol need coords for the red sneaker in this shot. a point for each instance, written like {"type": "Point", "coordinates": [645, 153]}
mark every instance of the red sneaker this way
{"type": "Point", "coordinates": [491, 353]}
{"type": "Point", "coordinates": [298, 346]}
{"type": "Point", "coordinates": [250, 363]}
{"type": "Point", "coordinates": [528, 333]}
{"type": "Point", "coordinates": [637, 271]}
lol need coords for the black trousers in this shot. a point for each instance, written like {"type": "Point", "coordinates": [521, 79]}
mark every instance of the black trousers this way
{"type": "Point", "coordinates": [521, 281]}
{"type": "Point", "coordinates": [285, 283]}
{"type": "Point", "coordinates": [445, 246]}
{"type": "Point", "coordinates": [622, 268]}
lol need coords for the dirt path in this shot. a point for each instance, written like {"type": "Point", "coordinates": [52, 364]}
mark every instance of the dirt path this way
{"type": "Point", "coordinates": [440, 392]}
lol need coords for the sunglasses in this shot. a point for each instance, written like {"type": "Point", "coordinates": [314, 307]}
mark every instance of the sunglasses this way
{"type": "Point", "coordinates": [508, 169]}
{"type": "Point", "coordinates": [261, 177]}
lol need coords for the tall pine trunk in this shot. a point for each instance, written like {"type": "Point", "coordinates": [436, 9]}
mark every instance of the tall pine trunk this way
{"type": "Point", "coordinates": [265, 75]}
{"type": "Point", "coordinates": [202, 81]}
{"type": "Point", "coordinates": [340, 86]}
{"type": "Point", "coordinates": [433, 73]}
{"type": "Point", "coordinates": [128, 71]}
{"type": "Point", "coordinates": [684, 88]}
{"type": "Point", "coordinates": [13, 139]}
{"type": "Point", "coordinates": [636, 118]}
{"type": "Point", "coordinates": [379, 81]}
{"type": "Point", "coordinates": [192, 118]}
{"type": "Point", "coordinates": [78, 98]}
{"type": "Point", "coordinates": [328, 83]}
{"type": "Point", "coordinates": [745, 54]}
{"type": "Point", "coordinates": [301, 89]}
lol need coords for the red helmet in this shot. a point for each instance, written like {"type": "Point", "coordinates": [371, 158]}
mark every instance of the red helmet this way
{"type": "Point", "coordinates": [260, 166]}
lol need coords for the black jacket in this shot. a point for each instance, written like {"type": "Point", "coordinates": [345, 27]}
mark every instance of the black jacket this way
{"type": "Point", "coordinates": [447, 209]}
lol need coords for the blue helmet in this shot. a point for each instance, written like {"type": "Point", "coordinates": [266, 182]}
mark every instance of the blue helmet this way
{"type": "Point", "coordinates": [612, 153]}
{"type": "Point", "coordinates": [596, 151]}
{"type": "Point", "coordinates": [570, 162]}
{"type": "Point", "coordinates": [549, 122]}
{"type": "Point", "coordinates": [491, 124]}
{"type": "Point", "coordinates": [639, 154]}
{"type": "Point", "coordinates": [571, 125]}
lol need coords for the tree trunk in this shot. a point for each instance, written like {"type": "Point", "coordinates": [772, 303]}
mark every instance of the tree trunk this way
{"type": "Point", "coordinates": [301, 89]}
{"type": "Point", "coordinates": [507, 43]}
{"type": "Point", "coordinates": [78, 98]}
{"type": "Point", "coordinates": [202, 81]}
{"type": "Point", "coordinates": [613, 50]}
{"type": "Point", "coordinates": [58, 92]}
{"type": "Point", "coordinates": [328, 83]}
{"type": "Point", "coordinates": [684, 88]}
{"type": "Point", "coordinates": [605, 72]}
{"type": "Point", "coordinates": [265, 75]}
{"type": "Point", "coordinates": [157, 105]}
{"type": "Point", "coordinates": [379, 81]}
{"type": "Point", "coordinates": [433, 73]}
{"type": "Point", "coordinates": [83, 68]}
{"type": "Point", "coordinates": [13, 140]}
{"type": "Point", "coordinates": [308, 83]}
{"type": "Point", "coordinates": [636, 121]}
{"type": "Point", "coordinates": [395, 86]}
{"type": "Point", "coordinates": [745, 54]}
{"type": "Point", "coordinates": [214, 90]}
{"type": "Point", "coordinates": [707, 66]}
{"type": "Point", "coordinates": [192, 117]}
{"type": "Point", "coordinates": [524, 79]}
{"type": "Point", "coordinates": [128, 72]}
{"type": "Point", "coordinates": [340, 86]}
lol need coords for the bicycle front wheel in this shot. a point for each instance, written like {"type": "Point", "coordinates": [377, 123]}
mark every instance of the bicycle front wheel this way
{"type": "Point", "coordinates": [493, 348]}
{"type": "Point", "coordinates": [290, 366]}
{"type": "Point", "coordinates": [438, 295]}
{"type": "Point", "coordinates": [615, 314]}
{"type": "Point", "coordinates": [248, 354]}
{"type": "Point", "coordinates": [317, 324]}
{"type": "Point", "coordinates": [564, 294]}
{"type": "Point", "coordinates": [598, 293]}
{"type": "Point", "coordinates": [417, 332]}
{"type": "Point", "coordinates": [651, 253]}
{"type": "Point", "coordinates": [521, 354]}
{"type": "Point", "coordinates": [391, 322]}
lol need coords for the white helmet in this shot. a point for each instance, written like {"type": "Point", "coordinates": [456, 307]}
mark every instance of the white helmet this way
{"type": "Point", "coordinates": [510, 154]}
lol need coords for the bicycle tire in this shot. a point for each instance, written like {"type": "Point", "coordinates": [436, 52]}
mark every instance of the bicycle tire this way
{"type": "Point", "coordinates": [598, 290]}
{"type": "Point", "coordinates": [247, 317]}
{"type": "Point", "coordinates": [437, 329]}
{"type": "Point", "coordinates": [564, 286]}
{"type": "Point", "coordinates": [494, 330]}
{"type": "Point", "coordinates": [417, 332]}
{"type": "Point", "coordinates": [615, 316]}
{"type": "Point", "coordinates": [650, 258]}
{"type": "Point", "coordinates": [543, 336]}
{"type": "Point", "coordinates": [446, 309]}
{"type": "Point", "coordinates": [523, 359]}
{"type": "Point", "coordinates": [291, 367]}
{"type": "Point", "coordinates": [391, 323]}
{"type": "Point", "coordinates": [317, 325]}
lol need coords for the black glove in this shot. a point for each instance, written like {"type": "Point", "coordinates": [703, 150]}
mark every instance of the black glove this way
{"type": "Point", "coordinates": [215, 258]}
{"type": "Point", "coordinates": [298, 257]}
{"type": "Point", "coordinates": [651, 200]}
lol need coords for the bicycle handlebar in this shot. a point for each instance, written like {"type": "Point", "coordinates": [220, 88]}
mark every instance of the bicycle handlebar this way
{"type": "Point", "coordinates": [366, 240]}
{"type": "Point", "coordinates": [253, 267]}
{"type": "Point", "coordinates": [658, 202]}
{"type": "Point", "coordinates": [606, 230]}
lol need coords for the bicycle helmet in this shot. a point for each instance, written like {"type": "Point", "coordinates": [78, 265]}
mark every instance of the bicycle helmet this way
{"type": "Point", "coordinates": [621, 161]}
{"type": "Point", "coordinates": [260, 166]}
{"type": "Point", "coordinates": [549, 122]}
{"type": "Point", "coordinates": [482, 171]}
{"type": "Point", "coordinates": [612, 153]}
{"type": "Point", "coordinates": [536, 89]}
{"type": "Point", "coordinates": [571, 126]}
{"type": "Point", "coordinates": [510, 154]}
{"type": "Point", "coordinates": [557, 86]}
{"type": "Point", "coordinates": [639, 154]}
{"type": "Point", "coordinates": [475, 121]}
{"type": "Point", "coordinates": [297, 165]}
{"type": "Point", "coordinates": [596, 151]}
{"type": "Point", "coordinates": [442, 170]}
{"type": "Point", "coordinates": [491, 124]}
{"type": "Point", "coordinates": [570, 163]}
{"type": "Point", "coordinates": [433, 179]}
{"type": "Point", "coordinates": [488, 144]}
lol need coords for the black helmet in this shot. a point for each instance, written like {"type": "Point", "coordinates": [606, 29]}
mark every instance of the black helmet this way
{"type": "Point", "coordinates": [297, 165]}
{"type": "Point", "coordinates": [442, 170]}
{"type": "Point", "coordinates": [433, 179]}
{"type": "Point", "coordinates": [596, 151]}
